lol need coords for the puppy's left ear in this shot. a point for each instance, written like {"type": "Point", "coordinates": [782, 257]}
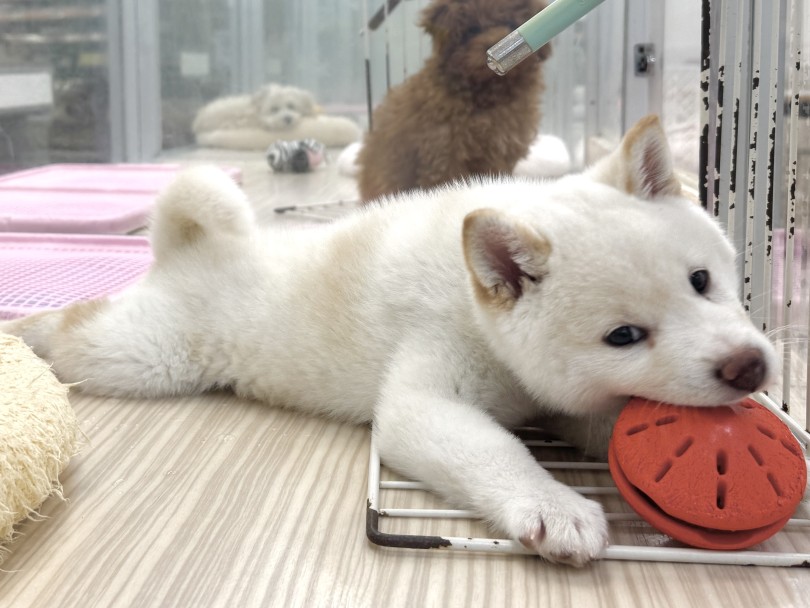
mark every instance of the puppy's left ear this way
{"type": "Point", "coordinates": [504, 256]}
{"type": "Point", "coordinates": [437, 18]}
{"type": "Point", "coordinates": [263, 93]}
{"type": "Point", "coordinates": [642, 165]}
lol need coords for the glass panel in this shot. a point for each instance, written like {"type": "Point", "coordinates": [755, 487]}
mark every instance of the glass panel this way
{"type": "Point", "coordinates": [681, 94]}
{"type": "Point", "coordinates": [317, 45]}
{"type": "Point", "coordinates": [398, 45]}
{"type": "Point", "coordinates": [604, 68]}
{"type": "Point", "coordinates": [312, 44]}
{"type": "Point", "coordinates": [206, 49]}
{"type": "Point", "coordinates": [792, 243]}
{"type": "Point", "coordinates": [195, 62]}
{"type": "Point", "coordinates": [54, 94]}
{"type": "Point", "coordinates": [573, 86]}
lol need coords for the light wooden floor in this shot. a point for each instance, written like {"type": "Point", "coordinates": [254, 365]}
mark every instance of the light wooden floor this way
{"type": "Point", "coordinates": [217, 501]}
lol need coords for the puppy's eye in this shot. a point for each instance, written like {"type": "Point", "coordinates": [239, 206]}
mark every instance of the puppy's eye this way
{"type": "Point", "coordinates": [700, 280]}
{"type": "Point", "coordinates": [625, 335]}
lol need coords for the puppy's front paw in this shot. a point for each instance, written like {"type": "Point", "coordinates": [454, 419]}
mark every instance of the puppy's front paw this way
{"type": "Point", "coordinates": [566, 529]}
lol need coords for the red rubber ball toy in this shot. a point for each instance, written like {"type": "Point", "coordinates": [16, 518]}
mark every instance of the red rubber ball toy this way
{"type": "Point", "coordinates": [724, 477]}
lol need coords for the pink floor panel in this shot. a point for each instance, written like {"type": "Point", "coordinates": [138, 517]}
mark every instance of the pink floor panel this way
{"type": "Point", "coordinates": [84, 199]}
{"type": "Point", "coordinates": [47, 271]}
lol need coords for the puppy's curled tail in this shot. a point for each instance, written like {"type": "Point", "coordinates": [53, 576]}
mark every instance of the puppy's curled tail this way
{"type": "Point", "coordinates": [201, 204]}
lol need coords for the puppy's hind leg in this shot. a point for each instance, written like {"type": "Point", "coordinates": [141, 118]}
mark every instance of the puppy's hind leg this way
{"type": "Point", "coordinates": [133, 346]}
{"type": "Point", "coordinates": [149, 341]}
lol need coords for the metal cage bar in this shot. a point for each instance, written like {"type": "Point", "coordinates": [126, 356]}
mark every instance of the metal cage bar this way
{"type": "Point", "coordinates": [751, 57]}
{"type": "Point", "coordinates": [793, 16]}
{"type": "Point", "coordinates": [376, 512]}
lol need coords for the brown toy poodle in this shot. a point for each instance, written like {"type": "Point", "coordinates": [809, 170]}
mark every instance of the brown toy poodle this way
{"type": "Point", "coordinates": [456, 117]}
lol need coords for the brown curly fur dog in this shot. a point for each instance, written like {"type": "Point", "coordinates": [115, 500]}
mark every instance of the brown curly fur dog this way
{"type": "Point", "coordinates": [455, 117]}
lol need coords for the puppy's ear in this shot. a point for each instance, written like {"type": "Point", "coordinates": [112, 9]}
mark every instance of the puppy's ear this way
{"type": "Point", "coordinates": [263, 93]}
{"type": "Point", "coordinates": [642, 165]}
{"type": "Point", "coordinates": [504, 256]}
{"type": "Point", "coordinates": [308, 105]}
{"type": "Point", "coordinates": [437, 18]}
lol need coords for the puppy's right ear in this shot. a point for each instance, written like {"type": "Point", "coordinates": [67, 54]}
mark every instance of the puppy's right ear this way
{"type": "Point", "coordinates": [504, 256]}
{"type": "Point", "coordinates": [642, 165]}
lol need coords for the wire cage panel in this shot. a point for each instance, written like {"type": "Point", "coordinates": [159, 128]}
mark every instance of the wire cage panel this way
{"type": "Point", "coordinates": [403, 514]}
{"type": "Point", "coordinates": [753, 84]}
{"type": "Point", "coordinates": [754, 180]}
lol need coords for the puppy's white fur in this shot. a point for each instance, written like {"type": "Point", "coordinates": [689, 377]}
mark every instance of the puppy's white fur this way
{"type": "Point", "coordinates": [444, 320]}
{"type": "Point", "coordinates": [275, 112]}
{"type": "Point", "coordinates": [273, 106]}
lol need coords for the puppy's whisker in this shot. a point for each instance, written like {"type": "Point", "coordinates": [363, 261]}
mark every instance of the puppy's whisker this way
{"type": "Point", "coordinates": [790, 330]}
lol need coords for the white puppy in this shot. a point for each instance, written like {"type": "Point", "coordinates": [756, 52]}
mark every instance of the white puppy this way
{"type": "Point", "coordinates": [444, 318]}
{"type": "Point", "coordinates": [274, 106]}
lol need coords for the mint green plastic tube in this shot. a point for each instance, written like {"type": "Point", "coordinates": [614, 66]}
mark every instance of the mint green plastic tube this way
{"type": "Point", "coordinates": [538, 30]}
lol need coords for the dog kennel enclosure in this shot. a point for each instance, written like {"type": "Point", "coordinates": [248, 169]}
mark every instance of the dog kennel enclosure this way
{"type": "Point", "coordinates": [729, 82]}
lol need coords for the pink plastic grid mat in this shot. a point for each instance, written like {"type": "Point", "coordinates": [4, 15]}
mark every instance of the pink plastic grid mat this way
{"type": "Point", "coordinates": [47, 271]}
{"type": "Point", "coordinates": [84, 199]}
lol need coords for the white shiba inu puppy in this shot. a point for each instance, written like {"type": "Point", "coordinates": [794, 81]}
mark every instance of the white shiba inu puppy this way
{"type": "Point", "coordinates": [444, 319]}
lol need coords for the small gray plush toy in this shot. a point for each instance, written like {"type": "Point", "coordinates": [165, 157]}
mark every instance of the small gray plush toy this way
{"type": "Point", "coordinates": [297, 156]}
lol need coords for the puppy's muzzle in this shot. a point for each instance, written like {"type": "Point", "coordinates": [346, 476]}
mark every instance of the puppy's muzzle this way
{"type": "Point", "coordinates": [744, 370]}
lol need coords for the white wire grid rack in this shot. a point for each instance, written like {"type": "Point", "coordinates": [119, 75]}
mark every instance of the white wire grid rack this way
{"type": "Point", "coordinates": [403, 514]}
{"type": "Point", "coordinates": [319, 212]}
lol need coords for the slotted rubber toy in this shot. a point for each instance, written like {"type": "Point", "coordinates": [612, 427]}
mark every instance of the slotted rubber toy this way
{"type": "Point", "coordinates": [724, 477]}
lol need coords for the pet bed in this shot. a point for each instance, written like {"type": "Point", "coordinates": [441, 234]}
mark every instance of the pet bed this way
{"type": "Point", "coordinates": [548, 157]}
{"type": "Point", "coordinates": [47, 271]}
{"type": "Point", "coordinates": [38, 432]}
{"type": "Point", "coordinates": [331, 131]}
{"type": "Point", "coordinates": [87, 199]}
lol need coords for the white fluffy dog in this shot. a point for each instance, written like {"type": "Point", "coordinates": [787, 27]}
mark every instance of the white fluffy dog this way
{"type": "Point", "coordinates": [274, 106]}
{"type": "Point", "coordinates": [444, 317]}
{"type": "Point", "coordinates": [274, 113]}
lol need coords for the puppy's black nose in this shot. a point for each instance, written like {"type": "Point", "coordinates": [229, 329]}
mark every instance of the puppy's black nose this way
{"type": "Point", "coordinates": [744, 370]}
